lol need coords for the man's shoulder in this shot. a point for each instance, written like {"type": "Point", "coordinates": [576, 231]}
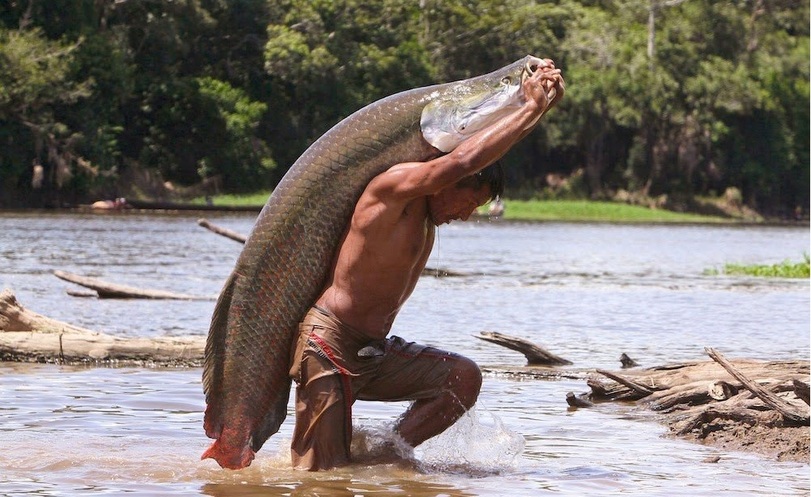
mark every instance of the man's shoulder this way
{"type": "Point", "coordinates": [379, 207]}
{"type": "Point", "coordinates": [394, 183]}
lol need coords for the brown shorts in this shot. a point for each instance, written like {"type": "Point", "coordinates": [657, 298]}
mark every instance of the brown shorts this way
{"type": "Point", "coordinates": [334, 365]}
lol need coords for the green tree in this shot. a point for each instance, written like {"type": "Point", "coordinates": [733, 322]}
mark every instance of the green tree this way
{"type": "Point", "coordinates": [243, 160]}
{"type": "Point", "coordinates": [676, 97]}
{"type": "Point", "coordinates": [34, 86]}
{"type": "Point", "coordinates": [332, 57]}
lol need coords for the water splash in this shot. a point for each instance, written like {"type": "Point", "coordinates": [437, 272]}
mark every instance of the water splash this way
{"type": "Point", "coordinates": [379, 444]}
{"type": "Point", "coordinates": [472, 446]}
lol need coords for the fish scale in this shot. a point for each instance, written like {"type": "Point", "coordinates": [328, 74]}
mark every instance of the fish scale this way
{"type": "Point", "coordinates": [287, 257]}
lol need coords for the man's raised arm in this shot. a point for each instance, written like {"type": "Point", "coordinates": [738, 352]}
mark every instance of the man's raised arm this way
{"type": "Point", "coordinates": [411, 180]}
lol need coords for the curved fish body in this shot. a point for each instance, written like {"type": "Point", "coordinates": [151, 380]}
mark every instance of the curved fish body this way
{"type": "Point", "coordinates": [286, 259]}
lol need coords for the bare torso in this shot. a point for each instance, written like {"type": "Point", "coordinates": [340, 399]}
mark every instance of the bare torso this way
{"type": "Point", "coordinates": [379, 260]}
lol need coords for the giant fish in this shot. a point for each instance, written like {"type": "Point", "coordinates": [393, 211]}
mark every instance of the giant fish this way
{"type": "Point", "coordinates": [288, 254]}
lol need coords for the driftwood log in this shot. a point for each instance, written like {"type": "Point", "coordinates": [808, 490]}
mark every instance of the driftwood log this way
{"type": "Point", "coordinates": [536, 356]}
{"type": "Point", "coordinates": [106, 290]}
{"type": "Point", "coordinates": [739, 404]}
{"type": "Point", "coordinates": [233, 235]}
{"type": "Point", "coordinates": [26, 336]}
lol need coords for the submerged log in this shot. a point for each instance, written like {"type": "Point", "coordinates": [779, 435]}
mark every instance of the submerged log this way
{"type": "Point", "coordinates": [439, 272]}
{"type": "Point", "coordinates": [233, 235]}
{"type": "Point", "coordinates": [26, 336]}
{"type": "Point", "coordinates": [578, 400]}
{"type": "Point", "coordinates": [536, 356]}
{"type": "Point", "coordinates": [627, 362]}
{"type": "Point", "coordinates": [113, 291]}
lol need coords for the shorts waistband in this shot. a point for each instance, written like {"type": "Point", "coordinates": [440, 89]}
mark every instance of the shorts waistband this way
{"type": "Point", "coordinates": [331, 321]}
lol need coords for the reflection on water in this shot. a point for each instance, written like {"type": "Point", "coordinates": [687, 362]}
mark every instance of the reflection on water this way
{"type": "Point", "coordinates": [586, 292]}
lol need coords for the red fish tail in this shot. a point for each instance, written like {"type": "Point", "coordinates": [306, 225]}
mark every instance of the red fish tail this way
{"type": "Point", "coordinates": [230, 456]}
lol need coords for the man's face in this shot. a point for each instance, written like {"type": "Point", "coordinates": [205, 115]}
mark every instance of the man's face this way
{"type": "Point", "coordinates": [456, 202]}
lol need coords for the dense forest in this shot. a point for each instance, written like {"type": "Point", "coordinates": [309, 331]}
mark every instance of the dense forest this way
{"type": "Point", "coordinates": [665, 98]}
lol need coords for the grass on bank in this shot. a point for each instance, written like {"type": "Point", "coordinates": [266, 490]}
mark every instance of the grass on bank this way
{"type": "Point", "coordinates": [785, 269]}
{"type": "Point", "coordinates": [595, 211]}
{"type": "Point", "coordinates": [538, 210]}
{"type": "Point", "coordinates": [240, 200]}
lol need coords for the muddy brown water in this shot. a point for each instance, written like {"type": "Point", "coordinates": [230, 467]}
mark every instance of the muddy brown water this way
{"type": "Point", "coordinates": [587, 292]}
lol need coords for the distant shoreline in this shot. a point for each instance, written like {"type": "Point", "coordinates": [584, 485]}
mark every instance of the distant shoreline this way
{"type": "Point", "coordinates": [566, 211]}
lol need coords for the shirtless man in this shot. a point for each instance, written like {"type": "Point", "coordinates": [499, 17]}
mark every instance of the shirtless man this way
{"type": "Point", "coordinates": [342, 353]}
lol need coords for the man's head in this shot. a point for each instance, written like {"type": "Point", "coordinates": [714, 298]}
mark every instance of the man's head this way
{"type": "Point", "coordinates": [460, 200]}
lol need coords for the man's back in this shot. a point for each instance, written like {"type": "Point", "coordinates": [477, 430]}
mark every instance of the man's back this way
{"type": "Point", "coordinates": [378, 262]}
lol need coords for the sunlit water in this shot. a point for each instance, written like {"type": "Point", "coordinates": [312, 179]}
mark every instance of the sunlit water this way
{"type": "Point", "coordinates": [585, 292]}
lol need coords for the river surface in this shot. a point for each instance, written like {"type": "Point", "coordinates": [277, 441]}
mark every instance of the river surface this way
{"type": "Point", "coordinates": [586, 292]}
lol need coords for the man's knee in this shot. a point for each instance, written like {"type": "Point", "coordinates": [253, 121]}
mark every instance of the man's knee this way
{"type": "Point", "coordinates": [465, 379]}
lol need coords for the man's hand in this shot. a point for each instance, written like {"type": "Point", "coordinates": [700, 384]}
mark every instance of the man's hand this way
{"type": "Point", "coordinates": [555, 89]}
{"type": "Point", "coordinates": [545, 86]}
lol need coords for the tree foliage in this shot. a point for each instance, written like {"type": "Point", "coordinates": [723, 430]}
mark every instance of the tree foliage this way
{"type": "Point", "coordinates": [675, 97]}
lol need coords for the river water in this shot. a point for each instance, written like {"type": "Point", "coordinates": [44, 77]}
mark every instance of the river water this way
{"type": "Point", "coordinates": [587, 292]}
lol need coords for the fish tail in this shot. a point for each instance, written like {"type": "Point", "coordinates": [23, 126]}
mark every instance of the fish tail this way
{"type": "Point", "coordinates": [229, 456]}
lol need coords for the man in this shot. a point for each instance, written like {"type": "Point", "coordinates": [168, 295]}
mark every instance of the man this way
{"type": "Point", "coordinates": [342, 353]}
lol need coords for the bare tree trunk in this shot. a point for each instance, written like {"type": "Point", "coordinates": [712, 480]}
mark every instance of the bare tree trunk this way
{"type": "Point", "coordinates": [114, 291]}
{"type": "Point", "coordinates": [26, 336]}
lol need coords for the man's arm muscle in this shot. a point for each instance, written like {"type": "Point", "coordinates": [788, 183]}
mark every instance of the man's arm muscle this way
{"type": "Point", "coordinates": [411, 180]}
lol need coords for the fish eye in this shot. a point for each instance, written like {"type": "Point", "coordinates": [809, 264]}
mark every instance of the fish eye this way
{"type": "Point", "coordinates": [506, 80]}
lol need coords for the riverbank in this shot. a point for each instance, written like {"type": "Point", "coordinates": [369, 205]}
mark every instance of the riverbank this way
{"type": "Point", "coordinates": [599, 211]}
{"type": "Point", "coordinates": [573, 210]}
{"type": "Point", "coordinates": [621, 207]}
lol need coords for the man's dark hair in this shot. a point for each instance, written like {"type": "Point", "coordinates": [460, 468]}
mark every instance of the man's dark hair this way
{"type": "Point", "coordinates": [492, 175]}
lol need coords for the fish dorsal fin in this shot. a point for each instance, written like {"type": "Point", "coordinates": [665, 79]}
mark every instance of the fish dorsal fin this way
{"type": "Point", "coordinates": [214, 358]}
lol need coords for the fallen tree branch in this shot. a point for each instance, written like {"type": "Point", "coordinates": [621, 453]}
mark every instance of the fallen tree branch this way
{"type": "Point", "coordinates": [26, 336]}
{"type": "Point", "coordinates": [710, 414]}
{"type": "Point", "coordinates": [689, 396]}
{"type": "Point", "coordinates": [788, 411]}
{"type": "Point", "coordinates": [640, 389]}
{"type": "Point", "coordinates": [801, 389]}
{"type": "Point", "coordinates": [113, 291]}
{"type": "Point", "coordinates": [233, 235]}
{"type": "Point", "coordinates": [536, 356]}
{"type": "Point", "coordinates": [699, 401]}
{"type": "Point", "coordinates": [13, 317]}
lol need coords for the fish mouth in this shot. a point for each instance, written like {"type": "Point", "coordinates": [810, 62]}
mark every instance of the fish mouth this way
{"type": "Point", "coordinates": [535, 64]}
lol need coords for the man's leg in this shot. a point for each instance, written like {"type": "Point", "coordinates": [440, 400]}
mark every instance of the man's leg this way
{"type": "Point", "coordinates": [443, 386]}
{"type": "Point", "coordinates": [323, 431]}
{"type": "Point", "coordinates": [427, 418]}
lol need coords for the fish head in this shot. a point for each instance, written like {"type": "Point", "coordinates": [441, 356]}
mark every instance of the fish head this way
{"type": "Point", "coordinates": [470, 105]}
